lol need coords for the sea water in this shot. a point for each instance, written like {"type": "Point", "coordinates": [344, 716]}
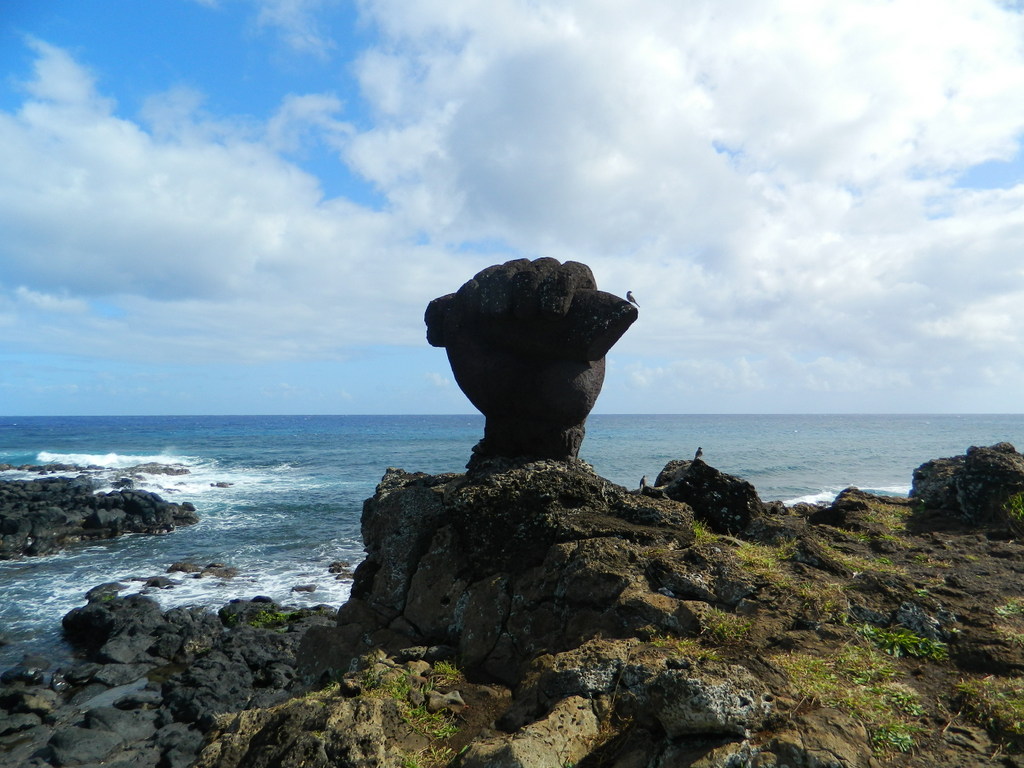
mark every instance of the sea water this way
{"type": "Point", "coordinates": [280, 497]}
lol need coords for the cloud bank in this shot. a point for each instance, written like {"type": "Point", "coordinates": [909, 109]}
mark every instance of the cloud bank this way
{"type": "Point", "coordinates": [780, 184]}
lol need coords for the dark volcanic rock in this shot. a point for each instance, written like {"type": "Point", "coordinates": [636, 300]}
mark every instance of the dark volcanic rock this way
{"type": "Point", "coordinates": [153, 680]}
{"type": "Point", "coordinates": [526, 341]}
{"type": "Point", "coordinates": [726, 503]}
{"type": "Point", "coordinates": [104, 619]}
{"type": "Point", "coordinates": [473, 561]}
{"type": "Point", "coordinates": [808, 637]}
{"type": "Point", "coordinates": [38, 517]}
{"type": "Point", "coordinates": [977, 485]}
{"type": "Point", "coordinates": [532, 614]}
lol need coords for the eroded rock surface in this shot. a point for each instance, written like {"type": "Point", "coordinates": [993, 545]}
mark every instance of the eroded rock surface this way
{"type": "Point", "coordinates": [38, 517]}
{"type": "Point", "coordinates": [979, 485]}
{"type": "Point", "coordinates": [621, 634]}
{"type": "Point", "coordinates": [531, 614]}
{"type": "Point", "coordinates": [149, 683]}
{"type": "Point", "coordinates": [526, 341]}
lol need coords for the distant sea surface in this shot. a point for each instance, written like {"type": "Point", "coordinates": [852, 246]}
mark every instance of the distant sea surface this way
{"type": "Point", "coordinates": [280, 496]}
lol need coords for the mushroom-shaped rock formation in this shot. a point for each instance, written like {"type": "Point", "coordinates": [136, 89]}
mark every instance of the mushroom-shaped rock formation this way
{"type": "Point", "coordinates": [526, 341]}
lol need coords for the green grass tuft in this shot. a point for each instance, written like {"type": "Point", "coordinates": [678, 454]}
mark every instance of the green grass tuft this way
{"type": "Point", "coordinates": [996, 703]}
{"type": "Point", "coordinates": [725, 627]}
{"type": "Point", "coordinates": [902, 642]}
{"type": "Point", "coordinates": [861, 682]}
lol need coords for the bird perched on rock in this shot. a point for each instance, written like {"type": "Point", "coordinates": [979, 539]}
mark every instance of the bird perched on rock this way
{"type": "Point", "coordinates": [699, 453]}
{"type": "Point", "coordinates": [630, 299]}
{"type": "Point", "coordinates": [643, 483]}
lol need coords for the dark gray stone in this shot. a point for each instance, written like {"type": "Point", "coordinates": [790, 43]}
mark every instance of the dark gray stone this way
{"type": "Point", "coordinates": [726, 503]}
{"type": "Point", "coordinates": [116, 675]}
{"type": "Point", "coordinates": [526, 341]}
{"type": "Point", "coordinates": [976, 485]}
{"type": "Point", "coordinates": [135, 725]}
{"type": "Point", "coordinates": [18, 721]}
{"type": "Point", "coordinates": [72, 745]}
{"type": "Point", "coordinates": [178, 744]}
{"type": "Point", "coordinates": [41, 516]}
{"type": "Point", "coordinates": [211, 686]}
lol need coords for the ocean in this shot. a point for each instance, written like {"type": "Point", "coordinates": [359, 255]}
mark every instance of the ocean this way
{"type": "Point", "coordinates": [280, 496]}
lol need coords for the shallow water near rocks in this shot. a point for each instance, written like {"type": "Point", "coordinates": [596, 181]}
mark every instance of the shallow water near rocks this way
{"type": "Point", "coordinates": [280, 496]}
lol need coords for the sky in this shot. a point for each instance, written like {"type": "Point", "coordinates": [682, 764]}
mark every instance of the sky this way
{"type": "Point", "coordinates": [244, 206]}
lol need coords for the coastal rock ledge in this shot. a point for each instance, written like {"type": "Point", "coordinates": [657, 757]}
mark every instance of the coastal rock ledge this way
{"type": "Point", "coordinates": [39, 517]}
{"type": "Point", "coordinates": [533, 614]}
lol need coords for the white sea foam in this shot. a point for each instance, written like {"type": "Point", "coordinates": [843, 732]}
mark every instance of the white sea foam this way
{"type": "Point", "coordinates": [202, 477]}
{"type": "Point", "coordinates": [57, 583]}
{"type": "Point", "coordinates": [276, 581]}
{"type": "Point", "coordinates": [890, 490]}
{"type": "Point", "coordinates": [109, 460]}
{"type": "Point", "coordinates": [828, 495]}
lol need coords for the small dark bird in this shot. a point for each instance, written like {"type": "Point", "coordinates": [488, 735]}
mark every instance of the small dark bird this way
{"type": "Point", "coordinates": [699, 453]}
{"type": "Point", "coordinates": [643, 483]}
{"type": "Point", "coordinates": [630, 299]}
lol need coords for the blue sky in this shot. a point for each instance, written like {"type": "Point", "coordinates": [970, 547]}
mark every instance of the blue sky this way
{"type": "Point", "coordinates": [244, 206]}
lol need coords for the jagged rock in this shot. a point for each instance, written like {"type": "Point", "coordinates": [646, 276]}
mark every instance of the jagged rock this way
{"type": "Point", "coordinates": [977, 485]}
{"type": "Point", "coordinates": [212, 685]}
{"type": "Point", "coordinates": [360, 733]}
{"type": "Point", "coordinates": [825, 738]}
{"type": "Point", "coordinates": [672, 471]}
{"type": "Point", "coordinates": [36, 701]}
{"type": "Point", "coordinates": [200, 667]}
{"type": "Point", "coordinates": [591, 625]}
{"type": "Point", "coordinates": [154, 468]}
{"type": "Point", "coordinates": [990, 476]}
{"type": "Point", "coordinates": [102, 619]}
{"type": "Point", "coordinates": [38, 517]}
{"type": "Point", "coordinates": [137, 725]}
{"type": "Point", "coordinates": [18, 721]}
{"type": "Point", "coordinates": [72, 745]}
{"type": "Point", "coordinates": [535, 558]}
{"type": "Point", "coordinates": [726, 503]}
{"type": "Point", "coordinates": [562, 737]}
{"type": "Point", "coordinates": [728, 701]}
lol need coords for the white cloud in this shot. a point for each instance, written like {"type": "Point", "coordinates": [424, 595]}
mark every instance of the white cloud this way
{"type": "Point", "coordinates": [307, 118]}
{"type": "Point", "coordinates": [212, 244]}
{"type": "Point", "coordinates": [438, 380]}
{"type": "Point", "coordinates": [776, 182]}
{"type": "Point", "coordinates": [297, 22]}
{"type": "Point", "coordinates": [762, 175]}
{"type": "Point", "coordinates": [46, 302]}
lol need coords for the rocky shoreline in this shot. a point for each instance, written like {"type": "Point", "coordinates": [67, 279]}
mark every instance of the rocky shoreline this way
{"type": "Point", "coordinates": [530, 614]}
{"type": "Point", "coordinates": [149, 683]}
{"type": "Point", "coordinates": [42, 516]}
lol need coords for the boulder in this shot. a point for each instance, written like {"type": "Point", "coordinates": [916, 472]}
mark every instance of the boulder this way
{"type": "Point", "coordinates": [934, 483]}
{"type": "Point", "coordinates": [726, 503]}
{"type": "Point", "coordinates": [102, 620]}
{"type": "Point", "coordinates": [979, 485]}
{"type": "Point", "coordinates": [989, 478]}
{"type": "Point", "coordinates": [38, 517]}
{"type": "Point", "coordinates": [502, 565]}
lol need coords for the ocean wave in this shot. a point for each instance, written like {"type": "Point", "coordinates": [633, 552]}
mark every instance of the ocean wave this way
{"type": "Point", "coordinates": [110, 460]}
{"type": "Point", "coordinates": [828, 495]}
{"type": "Point", "coordinates": [889, 490]}
{"type": "Point", "coordinates": [54, 585]}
